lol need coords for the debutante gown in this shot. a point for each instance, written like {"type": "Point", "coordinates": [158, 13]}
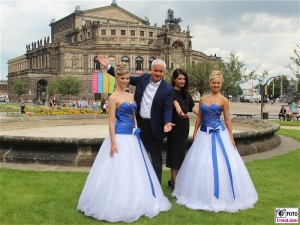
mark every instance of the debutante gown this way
{"type": "Point", "coordinates": [213, 176]}
{"type": "Point", "coordinates": [124, 187]}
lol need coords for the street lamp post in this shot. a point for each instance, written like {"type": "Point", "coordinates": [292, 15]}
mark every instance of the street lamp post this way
{"type": "Point", "coordinates": [263, 85]}
{"type": "Point", "coordinates": [281, 88]}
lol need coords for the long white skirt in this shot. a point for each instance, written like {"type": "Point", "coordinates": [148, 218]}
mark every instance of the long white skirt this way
{"type": "Point", "coordinates": [118, 188]}
{"type": "Point", "coordinates": [195, 181]}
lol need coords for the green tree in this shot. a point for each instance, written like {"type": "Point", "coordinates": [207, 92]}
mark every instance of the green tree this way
{"type": "Point", "coordinates": [234, 73]}
{"type": "Point", "coordinates": [278, 81]}
{"type": "Point", "coordinates": [19, 87]}
{"type": "Point", "coordinates": [53, 86]}
{"type": "Point", "coordinates": [234, 91]}
{"type": "Point", "coordinates": [69, 86]}
{"type": "Point", "coordinates": [295, 64]}
{"type": "Point", "coordinates": [199, 74]}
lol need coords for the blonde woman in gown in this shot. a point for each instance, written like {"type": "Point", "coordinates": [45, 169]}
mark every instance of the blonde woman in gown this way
{"type": "Point", "coordinates": [122, 185]}
{"type": "Point", "coordinates": [213, 176]}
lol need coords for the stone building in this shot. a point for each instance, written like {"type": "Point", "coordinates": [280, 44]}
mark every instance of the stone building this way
{"type": "Point", "coordinates": [3, 87]}
{"type": "Point", "coordinates": [112, 31]}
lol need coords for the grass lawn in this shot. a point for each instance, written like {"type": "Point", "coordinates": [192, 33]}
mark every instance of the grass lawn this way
{"type": "Point", "coordinates": [35, 197]}
{"type": "Point", "coordinates": [287, 123]}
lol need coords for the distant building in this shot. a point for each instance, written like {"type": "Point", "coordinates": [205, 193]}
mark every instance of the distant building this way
{"type": "Point", "coordinates": [78, 38]}
{"type": "Point", "coordinates": [3, 87]}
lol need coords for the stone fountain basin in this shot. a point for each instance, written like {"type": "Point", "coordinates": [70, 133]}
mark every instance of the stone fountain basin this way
{"type": "Point", "coordinates": [75, 140]}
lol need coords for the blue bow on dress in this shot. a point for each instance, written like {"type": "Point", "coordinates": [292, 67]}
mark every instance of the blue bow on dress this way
{"type": "Point", "coordinates": [137, 133]}
{"type": "Point", "coordinates": [216, 133]}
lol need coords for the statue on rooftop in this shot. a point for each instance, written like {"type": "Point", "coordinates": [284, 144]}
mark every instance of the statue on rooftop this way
{"type": "Point", "coordinates": [171, 19]}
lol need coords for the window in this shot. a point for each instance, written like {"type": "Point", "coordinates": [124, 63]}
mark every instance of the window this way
{"type": "Point", "coordinates": [142, 33]}
{"type": "Point", "coordinates": [113, 32]}
{"type": "Point", "coordinates": [150, 34]}
{"type": "Point", "coordinates": [123, 32]}
{"type": "Point", "coordinates": [151, 59]}
{"type": "Point", "coordinates": [103, 32]}
{"type": "Point", "coordinates": [126, 60]}
{"type": "Point", "coordinates": [178, 45]}
{"type": "Point", "coordinates": [138, 63]}
{"type": "Point", "coordinates": [97, 65]}
{"type": "Point", "coordinates": [112, 60]}
{"type": "Point", "coordinates": [132, 33]}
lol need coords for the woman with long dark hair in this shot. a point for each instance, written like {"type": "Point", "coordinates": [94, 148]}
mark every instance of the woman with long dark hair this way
{"type": "Point", "coordinates": [177, 138]}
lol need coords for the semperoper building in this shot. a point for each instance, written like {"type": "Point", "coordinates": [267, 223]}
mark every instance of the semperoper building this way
{"type": "Point", "coordinates": [78, 38]}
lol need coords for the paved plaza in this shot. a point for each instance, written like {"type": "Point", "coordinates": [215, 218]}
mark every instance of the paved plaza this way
{"type": "Point", "coordinates": [100, 128]}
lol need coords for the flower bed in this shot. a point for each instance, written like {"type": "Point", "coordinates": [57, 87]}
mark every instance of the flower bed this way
{"type": "Point", "coordinates": [33, 110]}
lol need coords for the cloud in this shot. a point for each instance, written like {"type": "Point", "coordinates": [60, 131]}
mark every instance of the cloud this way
{"type": "Point", "coordinates": [262, 33]}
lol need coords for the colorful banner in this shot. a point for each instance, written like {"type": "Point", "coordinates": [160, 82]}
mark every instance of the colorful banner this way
{"type": "Point", "coordinates": [105, 82]}
{"type": "Point", "coordinates": [100, 82]}
{"type": "Point", "coordinates": [111, 87]}
{"type": "Point", "coordinates": [258, 89]}
{"type": "Point", "coordinates": [266, 89]}
{"type": "Point", "coordinates": [95, 82]}
{"type": "Point", "coordinates": [139, 71]}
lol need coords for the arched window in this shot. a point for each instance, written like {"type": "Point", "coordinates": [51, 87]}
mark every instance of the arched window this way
{"type": "Point", "coordinates": [126, 60]}
{"type": "Point", "coordinates": [178, 45]}
{"type": "Point", "coordinates": [139, 63]}
{"type": "Point", "coordinates": [41, 90]}
{"type": "Point", "coordinates": [151, 59]}
{"type": "Point", "coordinates": [97, 65]}
{"type": "Point", "coordinates": [112, 60]}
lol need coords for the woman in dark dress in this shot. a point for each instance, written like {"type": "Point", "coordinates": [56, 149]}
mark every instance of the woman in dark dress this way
{"type": "Point", "coordinates": [177, 138]}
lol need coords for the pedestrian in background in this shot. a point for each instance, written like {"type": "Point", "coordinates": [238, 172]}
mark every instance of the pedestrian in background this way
{"type": "Point", "coordinates": [22, 106]}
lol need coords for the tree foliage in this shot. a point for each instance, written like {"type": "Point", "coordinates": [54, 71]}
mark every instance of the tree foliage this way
{"type": "Point", "coordinates": [65, 86]}
{"type": "Point", "coordinates": [69, 86]}
{"type": "Point", "coordinates": [234, 73]}
{"type": "Point", "coordinates": [277, 86]}
{"type": "Point", "coordinates": [295, 64]}
{"type": "Point", "coordinates": [19, 87]}
{"type": "Point", "coordinates": [53, 86]}
{"type": "Point", "coordinates": [199, 74]}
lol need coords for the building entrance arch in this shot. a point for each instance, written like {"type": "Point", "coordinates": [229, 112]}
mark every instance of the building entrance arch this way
{"type": "Point", "coordinates": [41, 91]}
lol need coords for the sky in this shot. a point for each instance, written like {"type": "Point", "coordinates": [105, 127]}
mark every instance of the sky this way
{"type": "Point", "coordinates": [262, 34]}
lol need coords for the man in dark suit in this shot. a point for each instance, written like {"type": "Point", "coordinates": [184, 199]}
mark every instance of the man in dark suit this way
{"type": "Point", "coordinates": [154, 98]}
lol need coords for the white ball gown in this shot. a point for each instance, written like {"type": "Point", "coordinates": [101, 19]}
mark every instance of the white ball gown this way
{"type": "Point", "coordinates": [124, 187]}
{"type": "Point", "coordinates": [213, 176]}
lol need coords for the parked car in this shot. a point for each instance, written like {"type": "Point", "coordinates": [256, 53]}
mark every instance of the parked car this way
{"type": "Point", "coordinates": [2, 98]}
{"type": "Point", "coordinates": [245, 98]}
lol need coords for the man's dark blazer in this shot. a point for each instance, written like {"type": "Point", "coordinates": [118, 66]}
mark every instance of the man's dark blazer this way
{"type": "Point", "coordinates": [162, 106]}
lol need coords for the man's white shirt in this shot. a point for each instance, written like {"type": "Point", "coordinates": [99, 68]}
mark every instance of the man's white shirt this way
{"type": "Point", "coordinates": [147, 99]}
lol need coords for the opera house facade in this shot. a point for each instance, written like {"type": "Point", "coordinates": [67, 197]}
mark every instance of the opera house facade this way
{"type": "Point", "coordinates": [78, 38]}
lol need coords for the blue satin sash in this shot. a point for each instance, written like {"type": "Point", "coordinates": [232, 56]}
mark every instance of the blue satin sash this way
{"type": "Point", "coordinates": [137, 134]}
{"type": "Point", "coordinates": [216, 134]}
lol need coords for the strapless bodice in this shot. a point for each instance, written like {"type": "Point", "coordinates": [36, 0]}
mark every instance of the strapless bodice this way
{"type": "Point", "coordinates": [211, 116]}
{"type": "Point", "coordinates": [125, 118]}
